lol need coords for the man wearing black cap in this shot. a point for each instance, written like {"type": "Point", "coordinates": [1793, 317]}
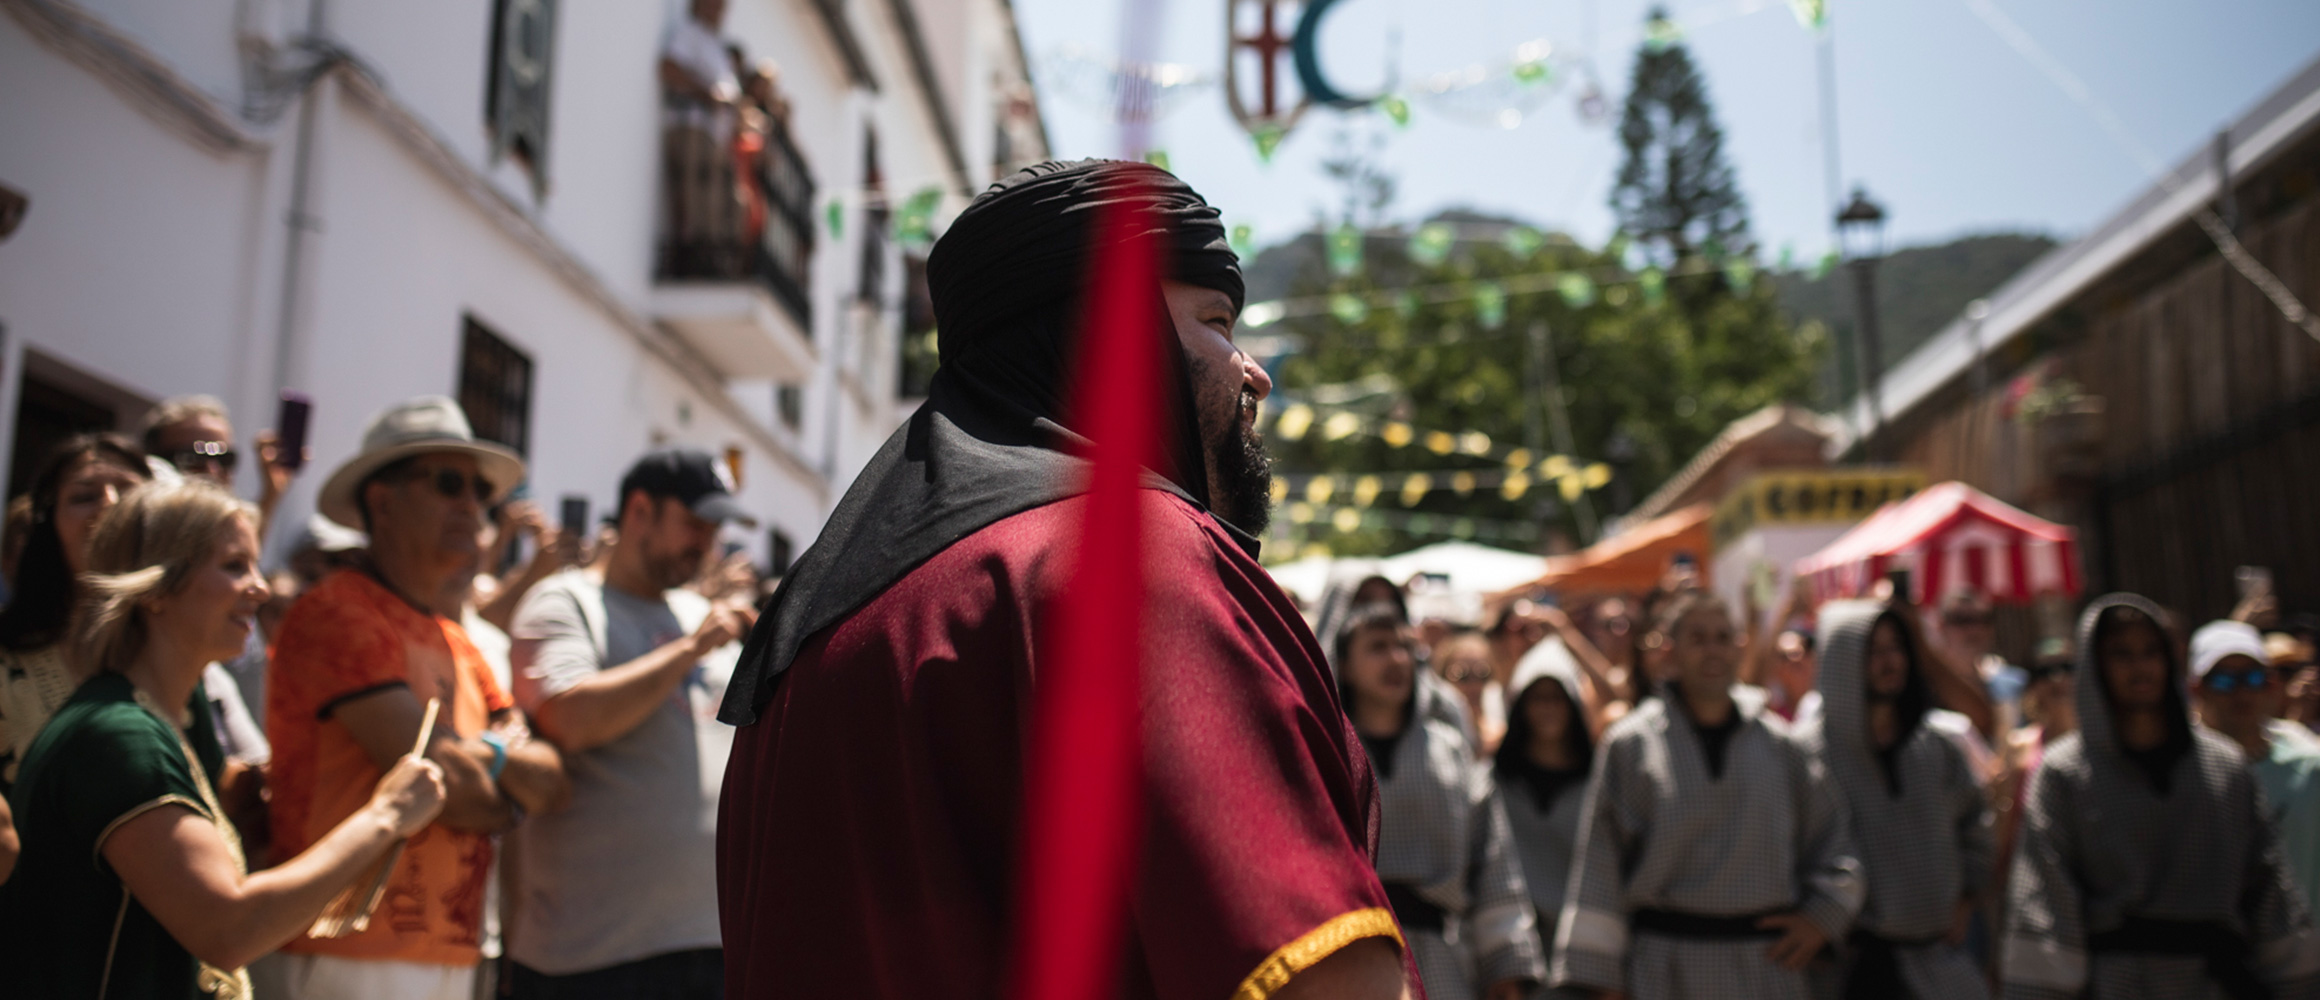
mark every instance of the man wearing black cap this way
{"type": "Point", "coordinates": [866, 844]}
{"type": "Point", "coordinates": [623, 671]}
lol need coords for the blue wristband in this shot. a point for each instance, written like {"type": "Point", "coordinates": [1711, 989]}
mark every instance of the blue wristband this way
{"type": "Point", "coordinates": [498, 752]}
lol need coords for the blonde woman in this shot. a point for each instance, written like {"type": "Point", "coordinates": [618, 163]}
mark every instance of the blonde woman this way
{"type": "Point", "coordinates": [132, 884]}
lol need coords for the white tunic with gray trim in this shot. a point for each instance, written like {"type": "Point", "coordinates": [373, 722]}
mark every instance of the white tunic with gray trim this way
{"type": "Point", "coordinates": [1660, 832]}
{"type": "Point", "coordinates": [1924, 838]}
{"type": "Point", "coordinates": [2102, 844]}
{"type": "Point", "coordinates": [1443, 833]}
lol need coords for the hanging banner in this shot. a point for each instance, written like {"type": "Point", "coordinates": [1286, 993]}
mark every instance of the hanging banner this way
{"type": "Point", "coordinates": [1818, 496]}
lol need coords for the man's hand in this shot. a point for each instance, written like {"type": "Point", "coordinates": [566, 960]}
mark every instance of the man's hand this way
{"type": "Point", "coordinates": [724, 624]}
{"type": "Point", "coordinates": [1799, 940]}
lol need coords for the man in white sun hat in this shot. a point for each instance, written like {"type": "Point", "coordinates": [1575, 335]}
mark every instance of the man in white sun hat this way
{"type": "Point", "coordinates": [2239, 696]}
{"type": "Point", "coordinates": [357, 659]}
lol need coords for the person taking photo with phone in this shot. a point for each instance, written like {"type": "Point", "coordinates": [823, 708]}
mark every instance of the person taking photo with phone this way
{"type": "Point", "coordinates": [624, 670]}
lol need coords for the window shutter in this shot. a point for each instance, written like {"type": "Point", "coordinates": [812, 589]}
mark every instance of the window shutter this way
{"type": "Point", "coordinates": [522, 71]}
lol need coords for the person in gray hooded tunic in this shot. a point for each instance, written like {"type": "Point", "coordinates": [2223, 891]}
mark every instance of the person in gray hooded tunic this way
{"type": "Point", "coordinates": [1714, 858]}
{"type": "Point", "coordinates": [2146, 867]}
{"type": "Point", "coordinates": [1444, 851]}
{"type": "Point", "coordinates": [1918, 817]}
{"type": "Point", "coordinates": [1541, 770]}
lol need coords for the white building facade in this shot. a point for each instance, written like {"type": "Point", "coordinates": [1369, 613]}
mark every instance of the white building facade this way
{"type": "Point", "coordinates": [367, 201]}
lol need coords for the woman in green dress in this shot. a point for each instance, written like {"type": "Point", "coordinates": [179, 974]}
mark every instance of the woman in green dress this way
{"type": "Point", "coordinates": [131, 881]}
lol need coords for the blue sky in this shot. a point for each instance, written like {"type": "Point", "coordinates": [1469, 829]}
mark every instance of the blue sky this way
{"type": "Point", "coordinates": [1953, 130]}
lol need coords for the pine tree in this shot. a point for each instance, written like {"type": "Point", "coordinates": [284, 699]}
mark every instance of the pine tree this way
{"type": "Point", "coordinates": [1676, 196]}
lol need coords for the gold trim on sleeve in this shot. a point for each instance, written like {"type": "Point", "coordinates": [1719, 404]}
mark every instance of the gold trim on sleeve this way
{"type": "Point", "coordinates": [1316, 944]}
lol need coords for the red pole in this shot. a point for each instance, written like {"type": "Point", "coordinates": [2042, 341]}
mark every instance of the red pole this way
{"type": "Point", "coordinates": [1083, 796]}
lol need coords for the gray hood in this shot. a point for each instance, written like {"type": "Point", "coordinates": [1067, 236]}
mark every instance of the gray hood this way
{"type": "Point", "coordinates": [2095, 725]}
{"type": "Point", "coordinates": [1845, 627]}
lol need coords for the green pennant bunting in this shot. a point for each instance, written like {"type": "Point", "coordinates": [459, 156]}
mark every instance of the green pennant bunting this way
{"type": "Point", "coordinates": [1740, 273]}
{"type": "Point", "coordinates": [1653, 284]}
{"type": "Point", "coordinates": [1268, 140]}
{"type": "Point", "coordinates": [1243, 240]}
{"type": "Point", "coordinates": [836, 216]}
{"type": "Point", "coordinates": [1822, 267]}
{"type": "Point", "coordinates": [1617, 248]}
{"type": "Point", "coordinates": [1661, 32]}
{"type": "Point", "coordinates": [1578, 292]}
{"type": "Point", "coordinates": [1531, 72]}
{"type": "Point", "coordinates": [1430, 245]}
{"type": "Point", "coordinates": [1787, 258]}
{"type": "Point", "coordinates": [1158, 158]}
{"type": "Point", "coordinates": [914, 223]}
{"type": "Point", "coordinates": [1490, 305]}
{"type": "Point", "coordinates": [1345, 251]}
{"type": "Point", "coordinates": [1812, 15]}
{"type": "Point", "coordinates": [1396, 109]}
{"type": "Point", "coordinates": [1406, 304]}
{"type": "Point", "coordinates": [1348, 308]}
{"type": "Point", "coordinates": [1524, 242]}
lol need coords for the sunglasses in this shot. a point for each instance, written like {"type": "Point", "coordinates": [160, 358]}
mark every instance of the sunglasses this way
{"type": "Point", "coordinates": [2227, 681]}
{"type": "Point", "coordinates": [206, 453]}
{"type": "Point", "coordinates": [451, 484]}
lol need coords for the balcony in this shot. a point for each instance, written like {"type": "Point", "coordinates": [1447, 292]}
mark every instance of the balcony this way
{"type": "Point", "coordinates": [733, 263]}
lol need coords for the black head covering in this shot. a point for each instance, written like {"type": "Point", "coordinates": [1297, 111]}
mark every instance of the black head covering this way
{"type": "Point", "coordinates": [2097, 722]}
{"type": "Point", "coordinates": [993, 438]}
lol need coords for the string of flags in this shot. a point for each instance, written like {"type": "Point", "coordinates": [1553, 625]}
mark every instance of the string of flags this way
{"type": "Point", "coordinates": [1302, 518]}
{"type": "Point", "coordinates": [1518, 468]}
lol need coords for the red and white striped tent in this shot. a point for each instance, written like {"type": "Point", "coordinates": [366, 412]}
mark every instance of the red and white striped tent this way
{"type": "Point", "coordinates": [1950, 537]}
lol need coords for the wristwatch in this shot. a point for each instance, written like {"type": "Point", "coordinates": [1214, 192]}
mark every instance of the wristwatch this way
{"type": "Point", "coordinates": [498, 752]}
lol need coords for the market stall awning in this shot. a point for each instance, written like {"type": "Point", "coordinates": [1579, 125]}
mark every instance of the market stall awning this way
{"type": "Point", "coordinates": [1633, 561]}
{"type": "Point", "coordinates": [1950, 537]}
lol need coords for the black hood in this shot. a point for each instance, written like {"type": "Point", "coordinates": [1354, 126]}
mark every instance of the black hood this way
{"type": "Point", "coordinates": [993, 439]}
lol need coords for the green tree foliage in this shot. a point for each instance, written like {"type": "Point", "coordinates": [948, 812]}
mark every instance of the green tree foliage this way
{"type": "Point", "coordinates": [1676, 195]}
{"type": "Point", "coordinates": [1665, 378]}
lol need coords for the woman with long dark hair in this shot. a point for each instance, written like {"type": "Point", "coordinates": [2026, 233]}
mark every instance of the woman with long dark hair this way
{"type": "Point", "coordinates": [1444, 851]}
{"type": "Point", "coordinates": [73, 487]}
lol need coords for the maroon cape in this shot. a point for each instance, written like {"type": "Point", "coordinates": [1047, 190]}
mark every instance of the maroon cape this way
{"type": "Point", "coordinates": [866, 838]}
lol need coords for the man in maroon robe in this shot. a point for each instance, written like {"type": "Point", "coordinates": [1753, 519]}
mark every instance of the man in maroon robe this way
{"type": "Point", "coordinates": [867, 837]}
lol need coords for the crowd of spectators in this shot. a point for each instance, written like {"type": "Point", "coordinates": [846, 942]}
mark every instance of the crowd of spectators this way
{"type": "Point", "coordinates": [1845, 800]}
{"type": "Point", "coordinates": [385, 771]}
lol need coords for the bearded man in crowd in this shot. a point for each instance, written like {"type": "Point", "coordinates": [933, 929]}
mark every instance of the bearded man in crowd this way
{"type": "Point", "coordinates": [867, 839]}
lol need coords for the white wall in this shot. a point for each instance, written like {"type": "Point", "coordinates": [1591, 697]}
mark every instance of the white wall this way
{"type": "Point", "coordinates": [157, 262]}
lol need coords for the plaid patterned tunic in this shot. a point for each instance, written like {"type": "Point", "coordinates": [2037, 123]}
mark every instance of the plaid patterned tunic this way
{"type": "Point", "coordinates": [1659, 831]}
{"type": "Point", "coordinates": [1443, 833]}
{"type": "Point", "coordinates": [2102, 844]}
{"type": "Point", "coordinates": [1924, 840]}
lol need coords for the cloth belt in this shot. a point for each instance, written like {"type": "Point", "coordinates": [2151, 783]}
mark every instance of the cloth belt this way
{"type": "Point", "coordinates": [1415, 912]}
{"type": "Point", "coordinates": [1875, 971]}
{"type": "Point", "coordinates": [1695, 925]}
{"type": "Point", "coordinates": [2227, 955]}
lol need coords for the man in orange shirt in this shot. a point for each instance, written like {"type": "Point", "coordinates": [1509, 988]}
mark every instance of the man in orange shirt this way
{"type": "Point", "coordinates": [357, 659]}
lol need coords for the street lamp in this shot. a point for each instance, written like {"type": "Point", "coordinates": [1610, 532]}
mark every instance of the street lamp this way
{"type": "Point", "coordinates": [1861, 233]}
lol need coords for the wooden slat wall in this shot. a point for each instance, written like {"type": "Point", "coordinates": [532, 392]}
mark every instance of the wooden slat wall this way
{"type": "Point", "coordinates": [2200, 472]}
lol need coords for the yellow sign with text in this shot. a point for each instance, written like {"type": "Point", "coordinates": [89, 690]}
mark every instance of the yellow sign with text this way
{"type": "Point", "coordinates": [1814, 496]}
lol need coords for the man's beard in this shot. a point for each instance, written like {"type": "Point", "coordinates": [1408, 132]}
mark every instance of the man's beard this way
{"type": "Point", "coordinates": [1243, 490]}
